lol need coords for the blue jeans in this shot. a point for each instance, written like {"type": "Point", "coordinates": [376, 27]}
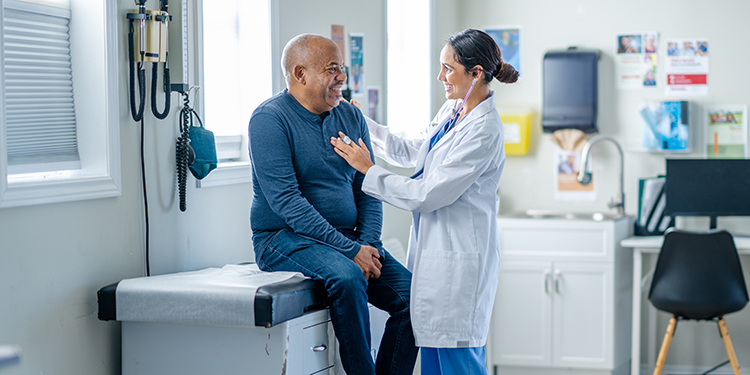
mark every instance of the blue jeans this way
{"type": "Point", "coordinates": [348, 294]}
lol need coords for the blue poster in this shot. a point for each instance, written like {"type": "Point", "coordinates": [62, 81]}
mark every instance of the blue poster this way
{"type": "Point", "coordinates": [357, 74]}
{"type": "Point", "coordinates": [665, 126]}
{"type": "Point", "coordinates": [509, 41]}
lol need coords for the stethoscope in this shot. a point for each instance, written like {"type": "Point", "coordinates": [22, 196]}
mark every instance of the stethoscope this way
{"type": "Point", "coordinates": [457, 112]}
{"type": "Point", "coordinates": [447, 127]}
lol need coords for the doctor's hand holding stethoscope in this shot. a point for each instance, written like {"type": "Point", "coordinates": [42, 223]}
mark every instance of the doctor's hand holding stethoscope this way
{"type": "Point", "coordinates": [454, 252]}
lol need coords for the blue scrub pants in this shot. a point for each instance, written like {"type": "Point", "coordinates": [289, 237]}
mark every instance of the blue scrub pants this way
{"type": "Point", "coordinates": [453, 361]}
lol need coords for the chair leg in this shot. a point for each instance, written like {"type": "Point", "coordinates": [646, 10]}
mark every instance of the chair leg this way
{"type": "Point", "coordinates": [728, 343]}
{"type": "Point", "coordinates": [665, 346]}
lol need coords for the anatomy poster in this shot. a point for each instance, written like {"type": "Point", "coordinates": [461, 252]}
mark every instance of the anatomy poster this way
{"type": "Point", "coordinates": [687, 66]}
{"type": "Point", "coordinates": [337, 34]}
{"type": "Point", "coordinates": [636, 60]}
{"type": "Point", "coordinates": [357, 66]}
{"type": "Point", "coordinates": [373, 104]}
{"type": "Point", "coordinates": [508, 38]}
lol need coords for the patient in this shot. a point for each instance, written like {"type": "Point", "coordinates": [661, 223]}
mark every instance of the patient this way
{"type": "Point", "coordinates": [310, 215]}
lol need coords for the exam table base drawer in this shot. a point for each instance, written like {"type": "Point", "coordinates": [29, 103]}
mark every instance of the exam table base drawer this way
{"type": "Point", "coordinates": [162, 348]}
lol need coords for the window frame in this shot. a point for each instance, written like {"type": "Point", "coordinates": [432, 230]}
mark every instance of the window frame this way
{"type": "Point", "coordinates": [238, 171]}
{"type": "Point", "coordinates": [100, 175]}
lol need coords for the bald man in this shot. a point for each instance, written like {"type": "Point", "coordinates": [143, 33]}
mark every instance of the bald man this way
{"type": "Point", "coordinates": [310, 215]}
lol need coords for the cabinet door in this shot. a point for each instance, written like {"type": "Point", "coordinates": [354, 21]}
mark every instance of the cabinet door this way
{"type": "Point", "coordinates": [582, 317]}
{"type": "Point", "coordinates": [521, 315]}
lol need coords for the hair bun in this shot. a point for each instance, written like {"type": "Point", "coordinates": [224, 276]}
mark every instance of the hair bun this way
{"type": "Point", "coordinates": [506, 73]}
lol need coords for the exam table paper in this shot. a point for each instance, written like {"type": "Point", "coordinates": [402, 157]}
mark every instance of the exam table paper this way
{"type": "Point", "coordinates": [213, 296]}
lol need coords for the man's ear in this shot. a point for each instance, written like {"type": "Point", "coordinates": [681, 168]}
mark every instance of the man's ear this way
{"type": "Point", "coordinates": [299, 74]}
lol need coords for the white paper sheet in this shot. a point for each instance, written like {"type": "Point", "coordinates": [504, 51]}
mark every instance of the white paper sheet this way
{"type": "Point", "coordinates": [213, 296]}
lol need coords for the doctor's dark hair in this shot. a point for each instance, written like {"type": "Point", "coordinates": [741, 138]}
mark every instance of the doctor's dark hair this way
{"type": "Point", "coordinates": [475, 47]}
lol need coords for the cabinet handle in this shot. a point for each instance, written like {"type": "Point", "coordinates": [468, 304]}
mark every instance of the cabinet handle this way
{"type": "Point", "coordinates": [546, 281]}
{"type": "Point", "coordinates": [557, 281]}
{"type": "Point", "coordinates": [320, 348]}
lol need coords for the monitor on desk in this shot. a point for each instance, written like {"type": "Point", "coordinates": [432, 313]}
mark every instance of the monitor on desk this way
{"type": "Point", "coordinates": [708, 187]}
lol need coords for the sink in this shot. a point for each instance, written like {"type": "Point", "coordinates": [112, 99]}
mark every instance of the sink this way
{"type": "Point", "coordinates": [543, 214]}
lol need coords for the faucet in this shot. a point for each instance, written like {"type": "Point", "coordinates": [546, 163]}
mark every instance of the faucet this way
{"type": "Point", "coordinates": [585, 177]}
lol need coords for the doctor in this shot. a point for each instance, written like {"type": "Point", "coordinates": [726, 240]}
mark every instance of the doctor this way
{"type": "Point", "coordinates": [453, 250]}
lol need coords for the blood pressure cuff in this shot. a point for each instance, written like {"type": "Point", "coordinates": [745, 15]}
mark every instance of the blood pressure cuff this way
{"type": "Point", "coordinates": [203, 143]}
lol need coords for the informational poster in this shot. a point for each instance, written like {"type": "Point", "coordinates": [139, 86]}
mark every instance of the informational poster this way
{"type": "Point", "coordinates": [357, 66]}
{"type": "Point", "coordinates": [373, 104]}
{"type": "Point", "coordinates": [687, 66]}
{"type": "Point", "coordinates": [665, 126]}
{"type": "Point", "coordinates": [636, 60]}
{"type": "Point", "coordinates": [567, 187]}
{"type": "Point", "coordinates": [337, 34]}
{"type": "Point", "coordinates": [726, 132]}
{"type": "Point", "coordinates": [508, 38]}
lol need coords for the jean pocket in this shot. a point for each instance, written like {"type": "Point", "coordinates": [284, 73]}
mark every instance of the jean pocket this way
{"type": "Point", "coordinates": [445, 290]}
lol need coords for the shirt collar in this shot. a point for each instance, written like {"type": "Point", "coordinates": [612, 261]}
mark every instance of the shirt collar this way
{"type": "Point", "coordinates": [301, 110]}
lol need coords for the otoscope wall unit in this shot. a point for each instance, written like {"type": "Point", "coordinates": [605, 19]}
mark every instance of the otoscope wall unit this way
{"type": "Point", "coordinates": [149, 40]}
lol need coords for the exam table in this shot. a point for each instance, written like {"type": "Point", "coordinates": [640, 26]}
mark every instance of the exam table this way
{"type": "Point", "coordinates": [288, 331]}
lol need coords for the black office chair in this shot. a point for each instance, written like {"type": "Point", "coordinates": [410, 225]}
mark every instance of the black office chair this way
{"type": "Point", "coordinates": [698, 276]}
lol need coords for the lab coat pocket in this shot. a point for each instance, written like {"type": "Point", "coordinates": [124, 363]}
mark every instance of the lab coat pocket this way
{"type": "Point", "coordinates": [445, 290]}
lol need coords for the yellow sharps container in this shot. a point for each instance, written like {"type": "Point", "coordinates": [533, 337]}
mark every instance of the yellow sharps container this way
{"type": "Point", "coordinates": [517, 126]}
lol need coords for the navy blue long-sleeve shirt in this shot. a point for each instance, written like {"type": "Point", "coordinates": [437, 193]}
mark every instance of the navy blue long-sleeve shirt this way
{"type": "Point", "coordinates": [299, 181]}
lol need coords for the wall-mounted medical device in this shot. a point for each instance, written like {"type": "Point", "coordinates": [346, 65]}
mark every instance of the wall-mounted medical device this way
{"type": "Point", "coordinates": [570, 95]}
{"type": "Point", "coordinates": [150, 41]}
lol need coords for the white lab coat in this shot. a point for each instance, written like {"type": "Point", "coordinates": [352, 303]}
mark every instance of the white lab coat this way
{"type": "Point", "coordinates": [454, 249]}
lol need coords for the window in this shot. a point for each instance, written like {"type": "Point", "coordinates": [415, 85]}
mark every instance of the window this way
{"type": "Point", "coordinates": [39, 108]}
{"type": "Point", "coordinates": [237, 74]}
{"type": "Point", "coordinates": [84, 162]}
{"type": "Point", "coordinates": [409, 89]}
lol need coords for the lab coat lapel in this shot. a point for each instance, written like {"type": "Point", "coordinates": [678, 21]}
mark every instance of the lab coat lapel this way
{"type": "Point", "coordinates": [443, 116]}
{"type": "Point", "coordinates": [479, 111]}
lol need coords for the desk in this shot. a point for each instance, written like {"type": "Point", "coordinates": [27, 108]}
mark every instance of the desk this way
{"type": "Point", "coordinates": [652, 245]}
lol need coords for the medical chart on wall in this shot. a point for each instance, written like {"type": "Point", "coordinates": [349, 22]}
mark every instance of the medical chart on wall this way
{"type": "Point", "coordinates": [636, 60]}
{"type": "Point", "coordinates": [687, 66]}
{"type": "Point", "coordinates": [373, 104]}
{"type": "Point", "coordinates": [337, 35]}
{"type": "Point", "coordinates": [664, 126]}
{"type": "Point", "coordinates": [567, 188]}
{"type": "Point", "coordinates": [508, 38]}
{"type": "Point", "coordinates": [357, 66]}
{"type": "Point", "coordinates": [726, 132]}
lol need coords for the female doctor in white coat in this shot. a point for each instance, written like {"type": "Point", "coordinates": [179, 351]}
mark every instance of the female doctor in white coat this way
{"type": "Point", "coordinates": [453, 250]}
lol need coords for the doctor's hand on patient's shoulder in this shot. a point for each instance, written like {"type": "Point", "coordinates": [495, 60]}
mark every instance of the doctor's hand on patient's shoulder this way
{"type": "Point", "coordinates": [367, 260]}
{"type": "Point", "coordinates": [358, 156]}
{"type": "Point", "coordinates": [353, 102]}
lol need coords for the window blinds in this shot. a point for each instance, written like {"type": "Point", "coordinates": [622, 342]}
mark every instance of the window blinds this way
{"type": "Point", "coordinates": [39, 108]}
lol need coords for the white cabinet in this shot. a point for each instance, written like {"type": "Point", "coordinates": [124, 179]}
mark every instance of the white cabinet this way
{"type": "Point", "coordinates": [562, 299]}
{"type": "Point", "coordinates": [304, 345]}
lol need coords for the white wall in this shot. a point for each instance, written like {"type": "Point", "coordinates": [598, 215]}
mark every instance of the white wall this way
{"type": "Point", "coordinates": [527, 181]}
{"type": "Point", "coordinates": [54, 257]}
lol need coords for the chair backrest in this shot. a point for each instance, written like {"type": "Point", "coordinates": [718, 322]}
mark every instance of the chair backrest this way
{"type": "Point", "coordinates": [698, 275]}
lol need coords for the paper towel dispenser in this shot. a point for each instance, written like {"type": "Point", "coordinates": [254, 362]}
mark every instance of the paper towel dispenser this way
{"type": "Point", "coordinates": [570, 95]}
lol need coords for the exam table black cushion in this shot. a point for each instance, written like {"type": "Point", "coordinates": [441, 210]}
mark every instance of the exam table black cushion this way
{"type": "Point", "coordinates": [274, 304]}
